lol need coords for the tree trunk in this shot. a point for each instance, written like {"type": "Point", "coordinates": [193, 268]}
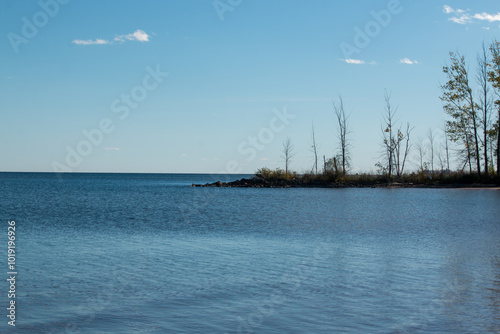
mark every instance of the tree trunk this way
{"type": "Point", "coordinates": [482, 77]}
{"type": "Point", "coordinates": [476, 140]}
{"type": "Point", "coordinates": [498, 143]}
{"type": "Point", "coordinates": [467, 144]}
{"type": "Point", "coordinates": [343, 158]}
{"type": "Point", "coordinates": [485, 150]}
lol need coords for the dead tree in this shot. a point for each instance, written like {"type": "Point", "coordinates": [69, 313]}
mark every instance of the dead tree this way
{"type": "Point", "coordinates": [288, 153]}
{"type": "Point", "coordinates": [314, 149]}
{"type": "Point", "coordinates": [343, 132]}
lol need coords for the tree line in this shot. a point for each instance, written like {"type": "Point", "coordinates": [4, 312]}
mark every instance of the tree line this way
{"type": "Point", "coordinates": [471, 103]}
{"type": "Point", "coordinates": [470, 109]}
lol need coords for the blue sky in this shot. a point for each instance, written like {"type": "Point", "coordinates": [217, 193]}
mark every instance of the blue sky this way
{"type": "Point", "coordinates": [233, 66]}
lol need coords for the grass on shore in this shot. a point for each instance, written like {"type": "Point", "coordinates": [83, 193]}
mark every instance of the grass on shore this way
{"type": "Point", "coordinates": [417, 178]}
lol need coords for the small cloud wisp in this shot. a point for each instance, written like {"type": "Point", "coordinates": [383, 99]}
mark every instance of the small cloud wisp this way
{"type": "Point", "coordinates": [137, 35]}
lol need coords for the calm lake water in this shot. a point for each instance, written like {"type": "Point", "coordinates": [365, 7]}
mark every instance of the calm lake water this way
{"type": "Point", "coordinates": [144, 253]}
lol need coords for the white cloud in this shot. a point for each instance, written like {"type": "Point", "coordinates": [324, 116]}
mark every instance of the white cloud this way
{"type": "Point", "coordinates": [353, 61]}
{"type": "Point", "coordinates": [137, 35]}
{"type": "Point", "coordinates": [112, 148]}
{"type": "Point", "coordinates": [488, 17]}
{"type": "Point", "coordinates": [408, 61]}
{"type": "Point", "coordinates": [448, 10]}
{"type": "Point", "coordinates": [465, 17]}
{"type": "Point", "coordinates": [90, 42]}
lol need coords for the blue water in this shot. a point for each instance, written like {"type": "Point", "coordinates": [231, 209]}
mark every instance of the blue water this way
{"type": "Point", "coordinates": [144, 253]}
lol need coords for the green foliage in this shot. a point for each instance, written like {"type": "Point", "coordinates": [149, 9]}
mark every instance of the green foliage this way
{"type": "Point", "coordinates": [462, 127]}
{"type": "Point", "coordinates": [275, 175]}
{"type": "Point", "coordinates": [330, 179]}
{"type": "Point", "coordinates": [333, 165]}
{"type": "Point", "coordinates": [459, 104]}
{"type": "Point", "coordinates": [264, 173]}
{"type": "Point", "coordinates": [494, 74]}
{"type": "Point", "coordinates": [494, 78]}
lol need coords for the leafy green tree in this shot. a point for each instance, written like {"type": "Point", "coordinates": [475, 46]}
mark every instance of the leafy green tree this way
{"type": "Point", "coordinates": [494, 78]}
{"type": "Point", "coordinates": [460, 105]}
{"type": "Point", "coordinates": [484, 101]}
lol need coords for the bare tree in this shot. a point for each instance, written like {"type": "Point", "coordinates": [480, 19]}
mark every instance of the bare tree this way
{"type": "Point", "coordinates": [430, 137]}
{"type": "Point", "coordinates": [441, 160]}
{"type": "Point", "coordinates": [389, 142]}
{"type": "Point", "coordinates": [314, 149]}
{"type": "Point", "coordinates": [485, 102]}
{"type": "Point", "coordinates": [402, 148]}
{"type": "Point", "coordinates": [407, 147]}
{"type": "Point", "coordinates": [288, 153]}
{"type": "Point", "coordinates": [342, 119]}
{"type": "Point", "coordinates": [420, 146]}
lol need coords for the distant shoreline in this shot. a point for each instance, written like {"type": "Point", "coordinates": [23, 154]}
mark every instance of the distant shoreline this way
{"type": "Point", "coordinates": [258, 182]}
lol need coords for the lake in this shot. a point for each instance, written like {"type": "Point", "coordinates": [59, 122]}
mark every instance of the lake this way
{"type": "Point", "coordinates": [147, 253]}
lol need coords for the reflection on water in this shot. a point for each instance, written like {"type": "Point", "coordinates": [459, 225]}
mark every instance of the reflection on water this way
{"type": "Point", "coordinates": [148, 254]}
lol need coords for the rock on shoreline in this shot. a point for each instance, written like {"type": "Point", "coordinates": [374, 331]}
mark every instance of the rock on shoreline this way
{"type": "Point", "coordinates": [258, 182]}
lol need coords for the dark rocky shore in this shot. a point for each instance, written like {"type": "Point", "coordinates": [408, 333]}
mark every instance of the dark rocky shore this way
{"type": "Point", "coordinates": [258, 182]}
